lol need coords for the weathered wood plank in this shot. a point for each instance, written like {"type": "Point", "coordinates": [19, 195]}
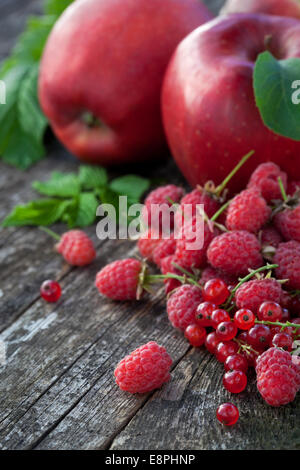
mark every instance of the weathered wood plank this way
{"type": "Point", "coordinates": [182, 415]}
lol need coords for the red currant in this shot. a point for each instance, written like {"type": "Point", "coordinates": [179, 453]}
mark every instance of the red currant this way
{"type": "Point", "coordinates": [236, 362]}
{"type": "Point", "coordinates": [286, 316]}
{"type": "Point", "coordinates": [251, 356]}
{"type": "Point", "coordinates": [278, 329]}
{"type": "Point", "coordinates": [212, 342]}
{"type": "Point", "coordinates": [228, 414]}
{"type": "Point", "coordinates": [204, 313]}
{"type": "Point", "coordinates": [219, 316]}
{"type": "Point", "coordinates": [226, 349]}
{"type": "Point", "coordinates": [244, 319]}
{"type": "Point", "coordinates": [260, 336]}
{"type": "Point", "coordinates": [50, 291]}
{"type": "Point", "coordinates": [270, 311]}
{"type": "Point", "coordinates": [216, 291]}
{"type": "Point", "coordinates": [226, 330]}
{"type": "Point", "coordinates": [196, 335]}
{"type": "Point", "coordinates": [283, 340]}
{"type": "Point", "coordinates": [235, 381]}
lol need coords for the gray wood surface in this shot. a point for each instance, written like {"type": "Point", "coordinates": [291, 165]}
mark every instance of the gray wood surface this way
{"type": "Point", "coordinates": [57, 389]}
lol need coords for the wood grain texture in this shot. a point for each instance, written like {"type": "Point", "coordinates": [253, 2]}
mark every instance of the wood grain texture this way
{"type": "Point", "coordinates": [57, 389]}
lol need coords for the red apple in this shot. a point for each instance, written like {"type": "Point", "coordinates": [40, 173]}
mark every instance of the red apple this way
{"type": "Point", "coordinates": [271, 7]}
{"type": "Point", "coordinates": [209, 110]}
{"type": "Point", "coordinates": [102, 71]}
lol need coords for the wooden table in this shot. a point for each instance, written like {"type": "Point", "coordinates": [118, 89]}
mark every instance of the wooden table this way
{"type": "Point", "coordinates": [57, 389]}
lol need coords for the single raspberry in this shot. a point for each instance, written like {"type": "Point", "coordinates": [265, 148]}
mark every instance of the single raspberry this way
{"type": "Point", "coordinates": [145, 369]}
{"type": "Point", "coordinates": [157, 205]}
{"type": "Point", "coordinates": [196, 197]}
{"type": "Point", "coordinates": [252, 294]}
{"type": "Point", "coordinates": [182, 306]}
{"type": "Point", "coordinates": [235, 252]}
{"type": "Point", "coordinates": [120, 280]}
{"type": "Point", "coordinates": [50, 291]}
{"type": "Point", "coordinates": [209, 273]}
{"type": "Point", "coordinates": [247, 211]}
{"type": "Point", "coordinates": [165, 248]}
{"type": "Point", "coordinates": [167, 266]}
{"type": "Point", "coordinates": [287, 257]}
{"type": "Point", "coordinates": [278, 377]}
{"type": "Point", "coordinates": [292, 187]}
{"type": "Point", "coordinates": [270, 237]}
{"type": "Point", "coordinates": [288, 223]}
{"type": "Point", "coordinates": [195, 233]}
{"type": "Point", "coordinates": [76, 248]}
{"type": "Point", "coordinates": [146, 245]}
{"type": "Point", "coordinates": [265, 179]}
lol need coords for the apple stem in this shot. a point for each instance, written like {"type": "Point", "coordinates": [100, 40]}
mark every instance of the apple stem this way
{"type": "Point", "coordinates": [284, 195]}
{"type": "Point", "coordinates": [222, 186]}
{"type": "Point", "coordinates": [50, 232]}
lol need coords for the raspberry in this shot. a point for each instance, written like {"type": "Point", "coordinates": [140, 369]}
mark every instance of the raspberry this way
{"type": "Point", "coordinates": [227, 414]}
{"type": "Point", "coordinates": [120, 280]}
{"type": "Point", "coordinates": [50, 291]}
{"type": "Point", "coordinates": [146, 245]}
{"type": "Point", "coordinates": [235, 252]}
{"type": "Point", "coordinates": [209, 273]}
{"type": "Point", "coordinates": [278, 377]}
{"type": "Point", "coordinates": [265, 179]}
{"type": "Point", "coordinates": [166, 267]}
{"type": "Point", "coordinates": [288, 223]}
{"type": "Point", "coordinates": [198, 196]}
{"type": "Point", "coordinates": [194, 258]}
{"type": "Point", "coordinates": [287, 257]}
{"type": "Point", "coordinates": [292, 187]}
{"type": "Point", "coordinates": [182, 305]}
{"type": "Point", "coordinates": [247, 211]}
{"type": "Point", "coordinates": [164, 196]}
{"type": "Point", "coordinates": [76, 248]}
{"type": "Point", "coordinates": [145, 369]}
{"type": "Point", "coordinates": [165, 248]}
{"type": "Point", "coordinates": [252, 294]}
{"type": "Point", "coordinates": [269, 236]}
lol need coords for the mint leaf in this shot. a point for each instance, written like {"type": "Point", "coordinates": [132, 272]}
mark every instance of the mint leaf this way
{"type": "Point", "coordinates": [92, 177]}
{"type": "Point", "coordinates": [274, 94]}
{"type": "Point", "coordinates": [40, 212]}
{"type": "Point", "coordinates": [131, 186]}
{"type": "Point", "coordinates": [59, 185]}
{"type": "Point", "coordinates": [87, 207]}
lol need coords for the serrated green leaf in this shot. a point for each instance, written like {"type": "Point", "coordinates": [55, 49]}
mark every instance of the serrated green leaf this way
{"type": "Point", "coordinates": [92, 177]}
{"type": "Point", "coordinates": [273, 88]}
{"type": "Point", "coordinates": [59, 185]}
{"type": "Point", "coordinates": [40, 212]}
{"type": "Point", "coordinates": [131, 186]}
{"type": "Point", "coordinates": [56, 7]}
{"type": "Point", "coordinates": [31, 118]}
{"type": "Point", "coordinates": [87, 207]}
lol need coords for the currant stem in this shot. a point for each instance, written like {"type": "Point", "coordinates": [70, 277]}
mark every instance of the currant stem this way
{"type": "Point", "coordinates": [219, 212]}
{"type": "Point", "coordinates": [152, 278]}
{"type": "Point", "coordinates": [222, 186]}
{"type": "Point", "coordinates": [277, 323]}
{"type": "Point", "coordinates": [246, 278]}
{"type": "Point", "coordinates": [284, 195]}
{"type": "Point", "coordinates": [50, 232]}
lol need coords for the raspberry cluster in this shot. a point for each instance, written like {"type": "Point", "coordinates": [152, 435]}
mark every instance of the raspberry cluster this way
{"type": "Point", "coordinates": [236, 294]}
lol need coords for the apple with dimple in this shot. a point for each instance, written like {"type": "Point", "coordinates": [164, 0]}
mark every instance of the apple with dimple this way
{"type": "Point", "coordinates": [271, 7]}
{"type": "Point", "coordinates": [102, 71]}
{"type": "Point", "coordinates": [209, 111]}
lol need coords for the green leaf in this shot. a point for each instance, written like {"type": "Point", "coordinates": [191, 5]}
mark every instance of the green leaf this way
{"type": "Point", "coordinates": [82, 211]}
{"type": "Point", "coordinates": [92, 177]}
{"type": "Point", "coordinates": [40, 212]}
{"type": "Point", "coordinates": [131, 186]}
{"type": "Point", "coordinates": [274, 88]}
{"type": "Point", "coordinates": [56, 7]}
{"type": "Point", "coordinates": [59, 185]}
